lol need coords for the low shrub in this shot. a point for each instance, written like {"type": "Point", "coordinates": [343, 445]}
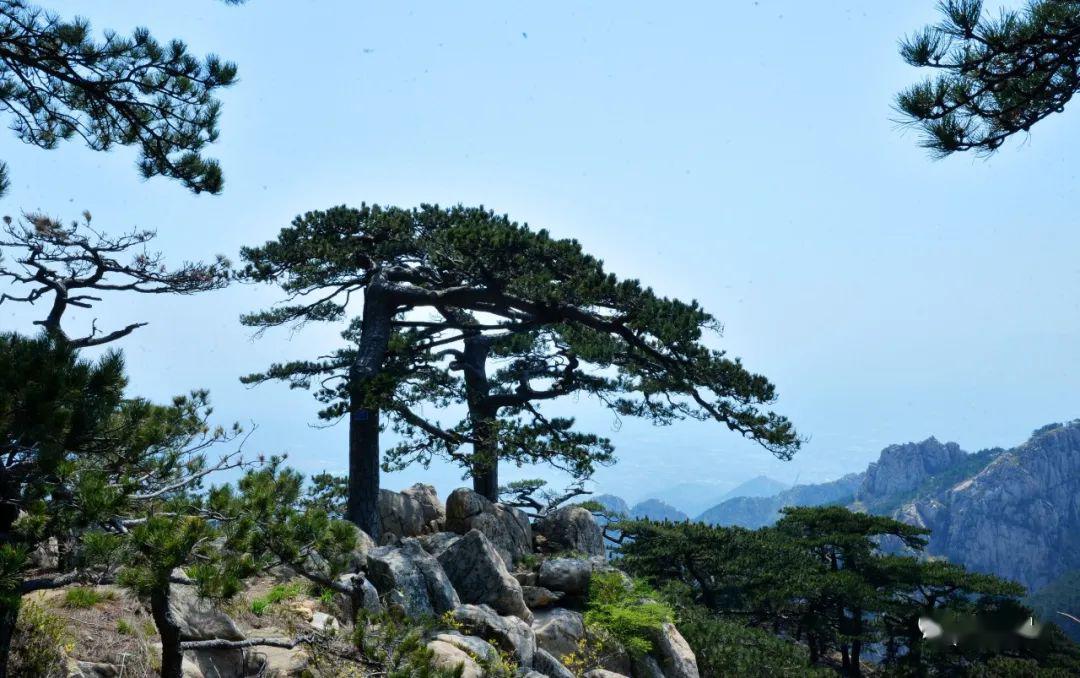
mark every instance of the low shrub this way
{"type": "Point", "coordinates": [627, 610]}
{"type": "Point", "coordinates": [39, 644]}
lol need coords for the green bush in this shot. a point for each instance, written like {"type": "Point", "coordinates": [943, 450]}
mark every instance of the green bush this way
{"type": "Point", "coordinates": [627, 610]}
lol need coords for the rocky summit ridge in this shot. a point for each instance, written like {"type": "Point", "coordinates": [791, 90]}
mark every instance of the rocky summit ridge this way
{"type": "Point", "coordinates": [484, 581]}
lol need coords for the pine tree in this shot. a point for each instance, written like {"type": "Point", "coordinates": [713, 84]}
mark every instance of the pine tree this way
{"type": "Point", "coordinates": [995, 76]}
{"type": "Point", "coordinates": [79, 456]}
{"type": "Point", "coordinates": [57, 81]}
{"type": "Point", "coordinates": [467, 260]}
{"type": "Point", "coordinates": [69, 265]}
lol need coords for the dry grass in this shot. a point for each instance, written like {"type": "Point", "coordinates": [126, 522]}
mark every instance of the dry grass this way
{"type": "Point", "coordinates": [116, 630]}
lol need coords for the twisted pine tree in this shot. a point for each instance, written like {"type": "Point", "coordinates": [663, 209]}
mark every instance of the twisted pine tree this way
{"type": "Point", "coordinates": [995, 75]}
{"type": "Point", "coordinates": [512, 280]}
{"type": "Point", "coordinates": [70, 265]}
{"type": "Point", "coordinates": [57, 81]}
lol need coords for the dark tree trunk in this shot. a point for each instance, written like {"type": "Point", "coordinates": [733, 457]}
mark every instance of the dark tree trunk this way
{"type": "Point", "coordinates": [172, 657]}
{"type": "Point", "coordinates": [482, 417]}
{"type": "Point", "coordinates": [9, 614]}
{"type": "Point", "coordinates": [811, 642]}
{"type": "Point", "coordinates": [856, 644]}
{"type": "Point", "coordinates": [375, 330]}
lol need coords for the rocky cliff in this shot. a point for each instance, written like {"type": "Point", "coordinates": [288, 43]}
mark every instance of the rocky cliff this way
{"type": "Point", "coordinates": [1017, 517]}
{"type": "Point", "coordinates": [901, 469]}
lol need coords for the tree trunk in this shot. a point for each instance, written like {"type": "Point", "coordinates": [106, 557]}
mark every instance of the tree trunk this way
{"type": "Point", "coordinates": [172, 658]}
{"type": "Point", "coordinates": [9, 614]}
{"type": "Point", "coordinates": [375, 330]}
{"type": "Point", "coordinates": [482, 417]}
{"type": "Point", "coordinates": [856, 643]}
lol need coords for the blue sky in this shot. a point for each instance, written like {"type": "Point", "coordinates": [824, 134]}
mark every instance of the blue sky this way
{"type": "Point", "coordinates": [741, 153]}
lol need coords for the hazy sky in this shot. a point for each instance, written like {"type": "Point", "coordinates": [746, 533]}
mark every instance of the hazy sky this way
{"type": "Point", "coordinates": [743, 153]}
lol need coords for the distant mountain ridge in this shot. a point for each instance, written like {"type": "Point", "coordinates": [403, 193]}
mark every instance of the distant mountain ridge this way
{"type": "Point", "coordinates": [755, 512]}
{"type": "Point", "coordinates": [760, 486]}
{"type": "Point", "coordinates": [654, 509]}
{"type": "Point", "coordinates": [1014, 513]}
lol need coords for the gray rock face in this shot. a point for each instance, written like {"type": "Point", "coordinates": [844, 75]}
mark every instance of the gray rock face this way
{"type": "Point", "coordinates": [80, 669]}
{"type": "Point", "coordinates": [477, 647]}
{"type": "Point", "coordinates": [479, 575]}
{"type": "Point", "coordinates": [507, 528]}
{"type": "Point", "coordinates": [569, 575]}
{"type": "Point", "coordinates": [217, 663]}
{"type": "Point", "coordinates": [448, 657]}
{"type": "Point", "coordinates": [676, 657]}
{"type": "Point", "coordinates": [1019, 517]}
{"type": "Point", "coordinates": [551, 667]}
{"type": "Point", "coordinates": [601, 673]}
{"type": "Point", "coordinates": [438, 542]}
{"type": "Point", "coordinates": [364, 544]}
{"type": "Point", "coordinates": [198, 618]}
{"type": "Point", "coordinates": [411, 512]}
{"type": "Point", "coordinates": [903, 468]}
{"type": "Point", "coordinates": [509, 633]}
{"type": "Point", "coordinates": [420, 582]}
{"type": "Point", "coordinates": [537, 597]}
{"type": "Point", "coordinates": [558, 631]}
{"type": "Point", "coordinates": [571, 528]}
{"type": "Point", "coordinates": [646, 666]}
{"type": "Point", "coordinates": [367, 596]}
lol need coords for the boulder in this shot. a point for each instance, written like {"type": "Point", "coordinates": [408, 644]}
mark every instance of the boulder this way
{"type": "Point", "coordinates": [216, 663]}
{"type": "Point", "coordinates": [571, 528]}
{"type": "Point", "coordinates": [81, 669]}
{"type": "Point", "coordinates": [411, 512]}
{"type": "Point", "coordinates": [537, 597]}
{"type": "Point", "coordinates": [676, 657]}
{"type": "Point", "coordinates": [511, 634]}
{"type": "Point", "coordinates": [449, 657]}
{"type": "Point", "coordinates": [367, 597]}
{"type": "Point", "coordinates": [476, 647]}
{"type": "Point", "coordinates": [601, 673]}
{"type": "Point", "coordinates": [47, 555]}
{"type": "Point", "coordinates": [415, 576]}
{"type": "Point", "coordinates": [646, 666]}
{"type": "Point", "coordinates": [526, 578]}
{"type": "Point", "coordinates": [198, 618]}
{"type": "Point", "coordinates": [479, 575]}
{"type": "Point", "coordinates": [545, 663]}
{"type": "Point", "coordinates": [438, 542]}
{"type": "Point", "coordinates": [558, 631]}
{"type": "Point", "coordinates": [569, 575]}
{"type": "Point", "coordinates": [276, 662]}
{"type": "Point", "coordinates": [364, 544]}
{"type": "Point", "coordinates": [505, 527]}
{"type": "Point", "coordinates": [321, 621]}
